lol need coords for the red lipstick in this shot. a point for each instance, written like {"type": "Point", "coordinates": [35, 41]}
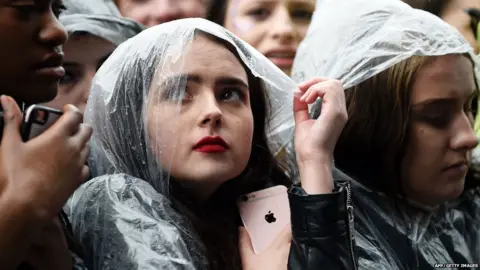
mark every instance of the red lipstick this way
{"type": "Point", "coordinates": [211, 145]}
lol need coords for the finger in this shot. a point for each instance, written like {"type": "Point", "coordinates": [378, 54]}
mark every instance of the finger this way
{"type": "Point", "coordinates": [245, 243]}
{"type": "Point", "coordinates": [81, 138]}
{"type": "Point", "coordinates": [284, 238]}
{"type": "Point", "coordinates": [12, 119]}
{"type": "Point", "coordinates": [313, 95]}
{"type": "Point", "coordinates": [83, 155]}
{"type": "Point", "coordinates": [73, 184]}
{"type": "Point", "coordinates": [307, 84]}
{"type": "Point", "coordinates": [305, 94]}
{"type": "Point", "coordinates": [317, 91]}
{"type": "Point", "coordinates": [333, 97]}
{"type": "Point", "coordinates": [68, 124]}
{"type": "Point", "coordinates": [298, 93]}
{"type": "Point", "coordinates": [333, 89]}
{"type": "Point", "coordinates": [300, 110]}
{"type": "Point", "coordinates": [84, 174]}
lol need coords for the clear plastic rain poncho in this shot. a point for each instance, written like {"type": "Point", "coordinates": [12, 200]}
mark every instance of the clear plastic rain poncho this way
{"type": "Point", "coordinates": [353, 40]}
{"type": "Point", "coordinates": [98, 18]}
{"type": "Point", "coordinates": [124, 218]}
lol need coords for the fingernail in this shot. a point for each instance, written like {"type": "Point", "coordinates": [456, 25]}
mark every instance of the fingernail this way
{"type": "Point", "coordinates": [297, 94]}
{"type": "Point", "coordinates": [6, 105]}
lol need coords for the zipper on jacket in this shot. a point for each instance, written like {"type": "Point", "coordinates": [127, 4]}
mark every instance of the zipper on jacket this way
{"type": "Point", "coordinates": [351, 229]}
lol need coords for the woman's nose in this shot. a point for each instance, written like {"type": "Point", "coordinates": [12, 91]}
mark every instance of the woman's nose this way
{"type": "Point", "coordinates": [211, 114]}
{"type": "Point", "coordinates": [464, 138]}
{"type": "Point", "coordinates": [282, 29]}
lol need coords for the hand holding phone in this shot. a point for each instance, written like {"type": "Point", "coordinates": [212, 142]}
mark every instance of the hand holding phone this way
{"type": "Point", "coordinates": [43, 172]}
{"type": "Point", "coordinates": [275, 257]}
{"type": "Point", "coordinates": [38, 119]}
{"type": "Point", "coordinates": [265, 214]}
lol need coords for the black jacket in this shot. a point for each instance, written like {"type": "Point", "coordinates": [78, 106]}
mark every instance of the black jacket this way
{"type": "Point", "coordinates": [398, 234]}
{"type": "Point", "coordinates": [321, 227]}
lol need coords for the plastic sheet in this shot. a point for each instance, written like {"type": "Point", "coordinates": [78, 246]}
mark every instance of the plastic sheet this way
{"type": "Point", "coordinates": [399, 236]}
{"type": "Point", "coordinates": [124, 218]}
{"type": "Point", "coordinates": [99, 18]}
{"type": "Point", "coordinates": [353, 40]}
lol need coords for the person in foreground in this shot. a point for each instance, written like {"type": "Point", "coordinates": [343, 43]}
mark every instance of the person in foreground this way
{"type": "Point", "coordinates": [190, 122]}
{"type": "Point", "coordinates": [409, 138]}
{"type": "Point", "coordinates": [38, 176]}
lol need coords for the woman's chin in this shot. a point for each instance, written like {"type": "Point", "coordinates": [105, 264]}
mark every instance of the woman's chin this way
{"type": "Point", "coordinates": [211, 172]}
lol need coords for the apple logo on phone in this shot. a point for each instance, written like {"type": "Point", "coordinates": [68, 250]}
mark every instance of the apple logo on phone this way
{"type": "Point", "coordinates": [270, 217]}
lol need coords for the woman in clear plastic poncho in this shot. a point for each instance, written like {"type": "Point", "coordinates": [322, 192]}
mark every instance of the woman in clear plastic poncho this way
{"type": "Point", "coordinates": [166, 197]}
{"type": "Point", "coordinates": [409, 80]}
{"type": "Point", "coordinates": [94, 30]}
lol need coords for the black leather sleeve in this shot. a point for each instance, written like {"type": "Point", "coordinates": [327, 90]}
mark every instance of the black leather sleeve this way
{"type": "Point", "coordinates": [322, 229]}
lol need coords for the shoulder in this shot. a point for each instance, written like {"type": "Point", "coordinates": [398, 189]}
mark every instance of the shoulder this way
{"type": "Point", "coordinates": [116, 185]}
{"type": "Point", "coordinates": [117, 193]}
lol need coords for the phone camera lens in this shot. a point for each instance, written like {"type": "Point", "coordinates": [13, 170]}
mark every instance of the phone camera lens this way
{"type": "Point", "coordinates": [40, 117]}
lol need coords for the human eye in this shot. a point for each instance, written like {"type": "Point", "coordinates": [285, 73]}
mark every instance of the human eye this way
{"type": "Point", "coordinates": [177, 90]}
{"type": "Point", "coordinates": [25, 8]}
{"type": "Point", "coordinates": [302, 14]}
{"type": "Point", "coordinates": [259, 13]}
{"type": "Point", "coordinates": [58, 7]}
{"type": "Point", "coordinates": [438, 114]}
{"type": "Point", "coordinates": [231, 94]}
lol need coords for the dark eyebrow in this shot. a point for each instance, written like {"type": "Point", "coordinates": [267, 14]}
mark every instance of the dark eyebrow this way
{"type": "Point", "coordinates": [306, 5]}
{"type": "Point", "coordinates": [434, 102]}
{"type": "Point", "coordinates": [442, 101]}
{"type": "Point", "coordinates": [174, 79]}
{"type": "Point", "coordinates": [266, 2]}
{"type": "Point", "coordinates": [195, 78]}
{"type": "Point", "coordinates": [232, 81]}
